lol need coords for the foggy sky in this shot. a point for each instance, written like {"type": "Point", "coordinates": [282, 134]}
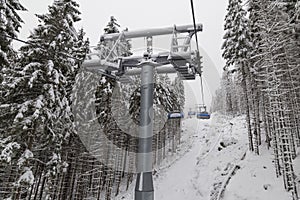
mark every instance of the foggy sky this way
{"type": "Point", "coordinates": [142, 14]}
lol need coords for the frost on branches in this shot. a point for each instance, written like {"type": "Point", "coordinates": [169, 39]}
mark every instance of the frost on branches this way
{"type": "Point", "coordinates": [261, 48]}
{"type": "Point", "coordinates": [39, 97]}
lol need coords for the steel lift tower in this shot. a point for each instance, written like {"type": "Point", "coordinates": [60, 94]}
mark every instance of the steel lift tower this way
{"type": "Point", "coordinates": [180, 59]}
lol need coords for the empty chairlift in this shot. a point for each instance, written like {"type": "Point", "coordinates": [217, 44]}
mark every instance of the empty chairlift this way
{"type": "Point", "coordinates": [175, 115]}
{"type": "Point", "coordinates": [202, 113]}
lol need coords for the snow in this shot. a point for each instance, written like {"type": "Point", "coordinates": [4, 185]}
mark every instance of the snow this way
{"type": "Point", "coordinates": [18, 116]}
{"type": "Point", "coordinates": [103, 80]}
{"type": "Point", "coordinates": [56, 77]}
{"type": "Point", "coordinates": [25, 156]}
{"type": "Point", "coordinates": [297, 5]}
{"type": "Point", "coordinates": [54, 159]}
{"type": "Point", "coordinates": [36, 114]}
{"type": "Point", "coordinates": [256, 180]}
{"type": "Point", "coordinates": [39, 102]}
{"type": "Point", "coordinates": [213, 156]}
{"type": "Point", "coordinates": [5, 105]}
{"type": "Point", "coordinates": [7, 152]}
{"type": "Point", "coordinates": [27, 177]}
{"type": "Point", "coordinates": [34, 77]}
{"type": "Point", "coordinates": [51, 93]}
{"type": "Point", "coordinates": [50, 66]}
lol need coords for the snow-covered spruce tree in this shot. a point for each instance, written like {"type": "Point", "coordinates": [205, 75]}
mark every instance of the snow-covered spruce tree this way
{"type": "Point", "coordinates": [275, 58]}
{"type": "Point", "coordinates": [260, 66]}
{"type": "Point", "coordinates": [297, 23]}
{"type": "Point", "coordinates": [236, 48]}
{"type": "Point", "coordinates": [10, 23]}
{"type": "Point", "coordinates": [257, 79]}
{"type": "Point", "coordinates": [105, 106]}
{"type": "Point", "coordinates": [237, 100]}
{"type": "Point", "coordinates": [227, 99]}
{"type": "Point", "coordinates": [178, 89]}
{"type": "Point", "coordinates": [292, 58]}
{"type": "Point", "coordinates": [121, 49]}
{"type": "Point", "coordinates": [39, 97]}
{"type": "Point", "coordinates": [226, 85]}
{"type": "Point", "coordinates": [218, 101]}
{"type": "Point", "coordinates": [177, 101]}
{"type": "Point", "coordinates": [107, 84]}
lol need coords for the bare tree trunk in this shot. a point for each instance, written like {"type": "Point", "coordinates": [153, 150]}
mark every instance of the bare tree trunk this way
{"type": "Point", "coordinates": [244, 85]}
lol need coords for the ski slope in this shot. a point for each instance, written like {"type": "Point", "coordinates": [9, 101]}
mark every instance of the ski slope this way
{"type": "Point", "coordinates": [210, 153]}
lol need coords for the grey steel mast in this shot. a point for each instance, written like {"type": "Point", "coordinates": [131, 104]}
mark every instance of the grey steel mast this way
{"type": "Point", "coordinates": [180, 59]}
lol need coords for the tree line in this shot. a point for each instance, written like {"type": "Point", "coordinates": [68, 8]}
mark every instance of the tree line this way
{"type": "Point", "coordinates": [261, 78]}
{"type": "Point", "coordinates": [41, 153]}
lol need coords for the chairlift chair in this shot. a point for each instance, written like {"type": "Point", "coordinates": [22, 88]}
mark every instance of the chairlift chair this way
{"type": "Point", "coordinates": [202, 114]}
{"type": "Point", "coordinates": [175, 115]}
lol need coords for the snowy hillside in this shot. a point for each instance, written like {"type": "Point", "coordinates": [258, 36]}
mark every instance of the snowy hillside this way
{"type": "Point", "coordinates": [210, 153]}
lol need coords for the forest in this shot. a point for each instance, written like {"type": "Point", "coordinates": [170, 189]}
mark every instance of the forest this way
{"type": "Point", "coordinates": [44, 90]}
{"type": "Point", "coordinates": [42, 154]}
{"type": "Point", "coordinates": [261, 78]}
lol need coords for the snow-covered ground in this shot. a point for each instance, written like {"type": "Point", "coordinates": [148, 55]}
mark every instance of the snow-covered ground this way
{"type": "Point", "coordinates": [256, 180]}
{"type": "Point", "coordinates": [210, 152]}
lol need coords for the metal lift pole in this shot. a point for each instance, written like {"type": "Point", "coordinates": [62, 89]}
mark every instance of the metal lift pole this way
{"type": "Point", "coordinates": [144, 189]}
{"type": "Point", "coordinates": [165, 62]}
{"type": "Point", "coordinates": [144, 184]}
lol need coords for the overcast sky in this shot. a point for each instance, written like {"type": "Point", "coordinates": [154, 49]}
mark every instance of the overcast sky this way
{"type": "Point", "coordinates": [142, 14]}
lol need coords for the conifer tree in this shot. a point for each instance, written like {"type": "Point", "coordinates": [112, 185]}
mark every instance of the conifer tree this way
{"type": "Point", "coordinates": [279, 62]}
{"type": "Point", "coordinates": [10, 23]}
{"type": "Point", "coordinates": [236, 48]}
{"type": "Point", "coordinates": [40, 90]}
{"type": "Point", "coordinates": [274, 77]}
{"type": "Point", "coordinates": [178, 89]}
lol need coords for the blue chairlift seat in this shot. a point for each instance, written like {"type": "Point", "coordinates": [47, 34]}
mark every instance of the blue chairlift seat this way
{"type": "Point", "coordinates": [203, 115]}
{"type": "Point", "coordinates": [175, 115]}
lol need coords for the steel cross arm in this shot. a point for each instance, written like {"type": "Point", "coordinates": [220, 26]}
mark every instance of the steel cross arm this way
{"type": "Point", "coordinates": [100, 64]}
{"type": "Point", "coordinates": [133, 61]}
{"type": "Point", "coordinates": [164, 69]}
{"type": "Point", "coordinates": [152, 32]}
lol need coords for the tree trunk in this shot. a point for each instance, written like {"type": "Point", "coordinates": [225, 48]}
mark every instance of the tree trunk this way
{"type": "Point", "coordinates": [244, 85]}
